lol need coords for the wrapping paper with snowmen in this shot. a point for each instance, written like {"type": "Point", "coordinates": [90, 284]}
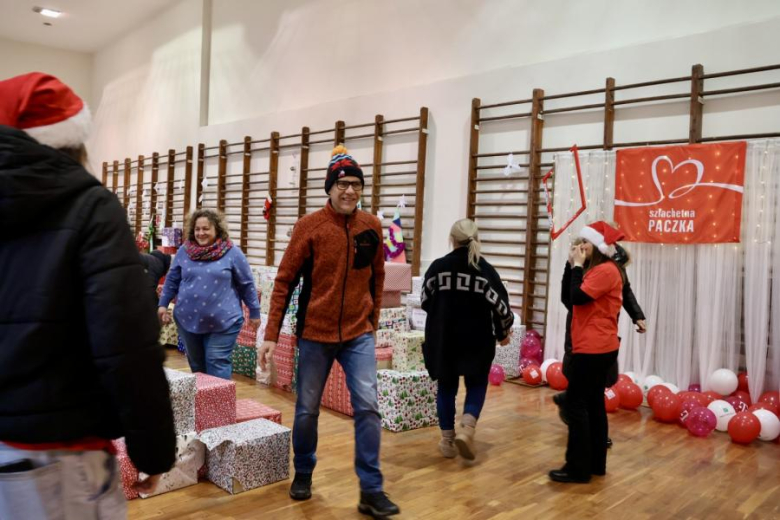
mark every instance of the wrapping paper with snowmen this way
{"type": "Point", "coordinates": [407, 400]}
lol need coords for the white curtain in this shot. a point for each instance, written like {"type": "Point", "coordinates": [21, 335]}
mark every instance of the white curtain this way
{"type": "Point", "coordinates": [692, 295]}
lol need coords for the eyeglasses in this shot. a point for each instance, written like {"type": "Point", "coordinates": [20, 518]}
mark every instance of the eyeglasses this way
{"type": "Point", "coordinates": [343, 185]}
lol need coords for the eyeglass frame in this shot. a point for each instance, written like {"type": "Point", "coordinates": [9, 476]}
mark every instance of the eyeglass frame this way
{"type": "Point", "coordinates": [356, 185]}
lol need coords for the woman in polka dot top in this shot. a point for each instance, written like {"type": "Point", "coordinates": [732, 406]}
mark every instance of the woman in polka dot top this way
{"type": "Point", "coordinates": [209, 277]}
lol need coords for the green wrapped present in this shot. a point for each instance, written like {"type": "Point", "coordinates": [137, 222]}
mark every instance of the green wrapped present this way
{"type": "Point", "coordinates": [244, 361]}
{"type": "Point", "coordinates": [407, 400]}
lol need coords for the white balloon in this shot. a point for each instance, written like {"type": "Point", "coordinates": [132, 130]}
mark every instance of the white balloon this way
{"type": "Point", "coordinates": [633, 377]}
{"type": "Point", "coordinates": [723, 412]}
{"type": "Point", "coordinates": [724, 381]}
{"type": "Point", "coordinates": [671, 387]}
{"type": "Point", "coordinates": [545, 366]}
{"type": "Point", "coordinates": [770, 425]}
{"type": "Point", "coordinates": [650, 382]}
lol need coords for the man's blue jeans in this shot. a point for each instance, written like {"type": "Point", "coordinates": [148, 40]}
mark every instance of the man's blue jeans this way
{"type": "Point", "coordinates": [358, 359]}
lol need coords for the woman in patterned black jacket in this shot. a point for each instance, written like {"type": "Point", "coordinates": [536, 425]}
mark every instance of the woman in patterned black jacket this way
{"type": "Point", "coordinates": [468, 311]}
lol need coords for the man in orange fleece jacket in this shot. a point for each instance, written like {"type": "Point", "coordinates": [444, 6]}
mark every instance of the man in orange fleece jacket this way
{"type": "Point", "coordinates": [338, 253]}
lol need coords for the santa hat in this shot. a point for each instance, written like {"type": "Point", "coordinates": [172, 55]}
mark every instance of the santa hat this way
{"type": "Point", "coordinates": [342, 165]}
{"type": "Point", "coordinates": [46, 109]}
{"type": "Point", "coordinates": [603, 236]}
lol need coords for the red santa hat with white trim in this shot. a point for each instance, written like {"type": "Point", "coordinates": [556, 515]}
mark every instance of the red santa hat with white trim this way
{"type": "Point", "coordinates": [46, 109]}
{"type": "Point", "coordinates": [603, 236]}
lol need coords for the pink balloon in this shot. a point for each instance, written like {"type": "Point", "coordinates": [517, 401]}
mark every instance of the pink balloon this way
{"type": "Point", "coordinates": [531, 348]}
{"type": "Point", "coordinates": [738, 404]}
{"type": "Point", "coordinates": [526, 362]}
{"type": "Point", "coordinates": [496, 375]}
{"type": "Point", "coordinates": [684, 411]}
{"type": "Point", "coordinates": [701, 421]}
{"type": "Point", "coordinates": [694, 387]}
{"type": "Point", "coordinates": [533, 333]}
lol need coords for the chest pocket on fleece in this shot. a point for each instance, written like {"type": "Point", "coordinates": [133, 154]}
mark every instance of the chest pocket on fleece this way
{"type": "Point", "coordinates": [365, 248]}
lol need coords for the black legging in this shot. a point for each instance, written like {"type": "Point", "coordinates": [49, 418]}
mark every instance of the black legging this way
{"type": "Point", "coordinates": [586, 450]}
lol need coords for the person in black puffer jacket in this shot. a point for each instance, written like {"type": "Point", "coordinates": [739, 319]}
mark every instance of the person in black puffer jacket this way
{"type": "Point", "coordinates": [79, 359]}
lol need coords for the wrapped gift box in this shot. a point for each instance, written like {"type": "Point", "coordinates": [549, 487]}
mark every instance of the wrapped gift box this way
{"type": "Point", "coordinates": [249, 410]}
{"type": "Point", "coordinates": [385, 338]}
{"type": "Point", "coordinates": [393, 318]}
{"type": "Point", "coordinates": [417, 285]}
{"type": "Point", "coordinates": [126, 468]}
{"type": "Point", "coordinates": [168, 250]}
{"type": "Point", "coordinates": [509, 356]}
{"type": "Point", "coordinates": [190, 457]}
{"type": "Point", "coordinates": [336, 394]}
{"type": "Point", "coordinates": [407, 353]}
{"type": "Point", "coordinates": [384, 358]}
{"type": "Point", "coordinates": [182, 389]}
{"type": "Point", "coordinates": [247, 455]}
{"type": "Point", "coordinates": [407, 400]}
{"type": "Point", "coordinates": [244, 360]}
{"type": "Point", "coordinates": [398, 277]}
{"type": "Point", "coordinates": [215, 402]}
{"type": "Point", "coordinates": [266, 289]}
{"type": "Point", "coordinates": [247, 336]}
{"type": "Point", "coordinates": [391, 299]}
{"type": "Point", "coordinates": [169, 334]}
{"type": "Point", "coordinates": [414, 313]}
{"type": "Point", "coordinates": [172, 237]}
{"type": "Point", "coordinates": [285, 362]}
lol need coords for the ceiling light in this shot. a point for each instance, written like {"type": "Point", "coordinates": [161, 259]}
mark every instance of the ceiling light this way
{"type": "Point", "coordinates": [51, 13]}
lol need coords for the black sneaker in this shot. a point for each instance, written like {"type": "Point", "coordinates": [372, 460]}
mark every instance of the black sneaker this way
{"type": "Point", "coordinates": [377, 505]}
{"type": "Point", "coordinates": [301, 487]}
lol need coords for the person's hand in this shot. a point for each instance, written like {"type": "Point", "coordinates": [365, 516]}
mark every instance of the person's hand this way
{"type": "Point", "coordinates": [578, 256]}
{"type": "Point", "coordinates": [641, 326]}
{"type": "Point", "coordinates": [571, 254]}
{"type": "Point", "coordinates": [147, 485]}
{"type": "Point", "coordinates": [504, 342]}
{"type": "Point", "coordinates": [163, 315]}
{"type": "Point", "coordinates": [255, 323]}
{"type": "Point", "coordinates": [266, 353]}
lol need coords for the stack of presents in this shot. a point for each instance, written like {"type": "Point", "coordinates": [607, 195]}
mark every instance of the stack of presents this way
{"type": "Point", "coordinates": [236, 444]}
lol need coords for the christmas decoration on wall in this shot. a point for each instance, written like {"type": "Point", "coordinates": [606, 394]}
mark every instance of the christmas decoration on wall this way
{"type": "Point", "coordinates": [555, 233]}
{"type": "Point", "coordinates": [395, 249]}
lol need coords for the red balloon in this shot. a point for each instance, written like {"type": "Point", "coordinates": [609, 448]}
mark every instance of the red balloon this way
{"type": "Point", "coordinates": [684, 410]}
{"type": "Point", "coordinates": [737, 403]}
{"type": "Point", "coordinates": [763, 406]}
{"type": "Point", "coordinates": [742, 381]}
{"type": "Point", "coordinates": [771, 398]}
{"type": "Point", "coordinates": [611, 399]}
{"type": "Point", "coordinates": [744, 428]}
{"type": "Point", "coordinates": [622, 378]}
{"type": "Point", "coordinates": [630, 395]}
{"type": "Point", "coordinates": [694, 396]}
{"type": "Point", "coordinates": [654, 392]}
{"type": "Point", "coordinates": [532, 375]}
{"type": "Point", "coordinates": [712, 396]}
{"type": "Point", "coordinates": [665, 407]}
{"type": "Point", "coordinates": [555, 376]}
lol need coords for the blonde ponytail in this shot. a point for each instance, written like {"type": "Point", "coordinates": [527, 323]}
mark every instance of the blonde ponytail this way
{"type": "Point", "coordinates": [464, 233]}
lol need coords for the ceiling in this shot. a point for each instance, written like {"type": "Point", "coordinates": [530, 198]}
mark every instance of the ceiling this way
{"type": "Point", "coordinates": [85, 26]}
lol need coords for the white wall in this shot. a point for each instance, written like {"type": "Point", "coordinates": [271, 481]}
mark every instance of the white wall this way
{"type": "Point", "coordinates": [310, 63]}
{"type": "Point", "coordinates": [74, 68]}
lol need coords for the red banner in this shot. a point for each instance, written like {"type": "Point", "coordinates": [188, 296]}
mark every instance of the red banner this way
{"type": "Point", "coordinates": [681, 194]}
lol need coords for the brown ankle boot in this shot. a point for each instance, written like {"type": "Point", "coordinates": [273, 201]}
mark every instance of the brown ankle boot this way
{"type": "Point", "coordinates": [447, 444]}
{"type": "Point", "coordinates": [464, 440]}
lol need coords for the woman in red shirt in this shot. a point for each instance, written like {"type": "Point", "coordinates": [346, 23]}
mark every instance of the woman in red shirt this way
{"type": "Point", "coordinates": [596, 296]}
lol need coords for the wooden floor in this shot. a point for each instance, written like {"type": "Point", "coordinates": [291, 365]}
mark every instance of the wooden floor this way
{"type": "Point", "coordinates": [654, 471]}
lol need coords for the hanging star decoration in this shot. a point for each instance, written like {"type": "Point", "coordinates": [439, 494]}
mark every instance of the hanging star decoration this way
{"type": "Point", "coordinates": [395, 249]}
{"type": "Point", "coordinates": [511, 167]}
{"type": "Point", "coordinates": [380, 215]}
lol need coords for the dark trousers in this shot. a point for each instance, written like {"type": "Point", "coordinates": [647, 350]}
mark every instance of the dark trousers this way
{"type": "Point", "coordinates": [586, 450]}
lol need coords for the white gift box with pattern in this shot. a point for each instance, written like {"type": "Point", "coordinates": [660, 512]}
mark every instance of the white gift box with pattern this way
{"type": "Point", "coordinates": [417, 285]}
{"type": "Point", "coordinates": [190, 456]}
{"type": "Point", "coordinates": [509, 356]}
{"type": "Point", "coordinates": [407, 400]}
{"type": "Point", "coordinates": [182, 391]}
{"type": "Point", "coordinates": [415, 316]}
{"type": "Point", "coordinates": [407, 353]}
{"type": "Point", "coordinates": [247, 455]}
{"type": "Point", "coordinates": [393, 318]}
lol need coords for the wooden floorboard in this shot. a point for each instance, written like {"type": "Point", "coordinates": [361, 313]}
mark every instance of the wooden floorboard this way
{"type": "Point", "coordinates": [655, 471]}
